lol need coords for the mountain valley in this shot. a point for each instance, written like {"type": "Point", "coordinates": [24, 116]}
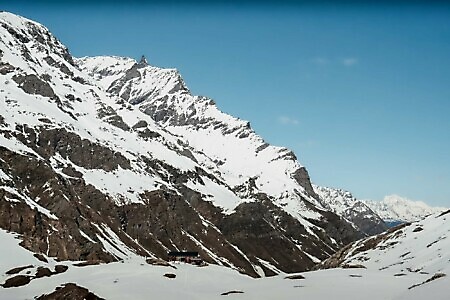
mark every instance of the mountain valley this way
{"type": "Point", "coordinates": [108, 163]}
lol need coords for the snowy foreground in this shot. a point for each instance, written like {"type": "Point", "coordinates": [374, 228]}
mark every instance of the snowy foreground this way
{"type": "Point", "coordinates": [135, 279]}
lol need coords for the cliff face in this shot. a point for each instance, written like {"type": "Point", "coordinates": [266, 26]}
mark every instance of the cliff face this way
{"type": "Point", "coordinates": [104, 158]}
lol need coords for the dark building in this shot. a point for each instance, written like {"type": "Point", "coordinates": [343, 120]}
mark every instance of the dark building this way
{"type": "Point", "coordinates": [191, 257]}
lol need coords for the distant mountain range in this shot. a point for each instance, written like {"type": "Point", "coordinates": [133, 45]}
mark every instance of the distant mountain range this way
{"type": "Point", "coordinates": [370, 216]}
{"type": "Point", "coordinates": [396, 209]}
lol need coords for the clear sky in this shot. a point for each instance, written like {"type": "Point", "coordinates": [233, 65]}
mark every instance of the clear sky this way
{"type": "Point", "coordinates": [360, 92]}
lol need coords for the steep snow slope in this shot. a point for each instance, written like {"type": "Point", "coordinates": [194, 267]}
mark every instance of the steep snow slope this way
{"type": "Point", "coordinates": [418, 249]}
{"type": "Point", "coordinates": [396, 208]}
{"type": "Point", "coordinates": [240, 157]}
{"type": "Point", "coordinates": [104, 158]}
{"type": "Point", "coordinates": [344, 204]}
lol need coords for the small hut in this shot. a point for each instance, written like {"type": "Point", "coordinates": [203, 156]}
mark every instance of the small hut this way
{"type": "Point", "coordinates": [190, 257]}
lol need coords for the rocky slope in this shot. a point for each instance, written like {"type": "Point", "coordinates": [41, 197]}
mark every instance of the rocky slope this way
{"type": "Point", "coordinates": [105, 157]}
{"type": "Point", "coordinates": [357, 212]}
{"type": "Point", "coordinates": [396, 209]}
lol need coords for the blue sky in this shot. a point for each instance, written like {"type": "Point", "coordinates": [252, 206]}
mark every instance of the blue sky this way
{"type": "Point", "coordinates": [360, 92]}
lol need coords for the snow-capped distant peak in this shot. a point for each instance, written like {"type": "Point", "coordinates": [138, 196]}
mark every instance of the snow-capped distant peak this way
{"type": "Point", "coordinates": [396, 208]}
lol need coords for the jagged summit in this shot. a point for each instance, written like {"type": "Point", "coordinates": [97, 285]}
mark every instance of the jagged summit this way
{"type": "Point", "coordinates": [143, 62]}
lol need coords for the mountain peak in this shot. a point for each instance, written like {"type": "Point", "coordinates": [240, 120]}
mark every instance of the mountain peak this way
{"type": "Point", "coordinates": [143, 62]}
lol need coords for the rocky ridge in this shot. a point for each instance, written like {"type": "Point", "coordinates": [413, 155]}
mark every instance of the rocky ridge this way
{"type": "Point", "coordinates": [355, 211]}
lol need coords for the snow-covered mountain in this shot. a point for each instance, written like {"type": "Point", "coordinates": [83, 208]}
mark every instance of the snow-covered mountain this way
{"type": "Point", "coordinates": [104, 158]}
{"type": "Point", "coordinates": [357, 212]}
{"type": "Point", "coordinates": [395, 208]}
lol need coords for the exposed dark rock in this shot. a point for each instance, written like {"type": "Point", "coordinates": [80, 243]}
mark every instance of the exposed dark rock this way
{"type": "Point", "coordinates": [170, 275]}
{"type": "Point", "coordinates": [70, 97]}
{"type": "Point", "coordinates": [16, 281]}
{"type": "Point", "coordinates": [262, 147]}
{"type": "Point", "coordinates": [434, 277]}
{"type": "Point", "coordinates": [46, 77]}
{"type": "Point", "coordinates": [118, 84]}
{"type": "Point", "coordinates": [36, 33]}
{"type": "Point", "coordinates": [18, 36]}
{"type": "Point", "coordinates": [296, 276]}
{"type": "Point", "coordinates": [231, 292]}
{"type": "Point", "coordinates": [34, 226]}
{"type": "Point", "coordinates": [117, 121]}
{"type": "Point", "coordinates": [444, 213]}
{"type": "Point", "coordinates": [61, 269]}
{"type": "Point", "coordinates": [88, 263]}
{"type": "Point", "coordinates": [18, 270]}
{"type": "Point", "coordinates": [70, 291]}
{"type": "Point", "coordinates": [108, 114]}
{"type": "Point", "coordinates": [105, 111]}
{"type": "Point", "coordinates": [43, 272]}
{"type": "Point", "coordinates": [187, 153]}
{"type": "Point", "coordinates": [60, 66]}
{"type": "Point", "coordinates": [148, 134]}
{"type": "Point", "coordinates": [178, 86]}
{"type": "Point", "coordinates": [302, 177]}
{"type": "Point", "coordinates": [6, 68]}
{"type": "Point", "coordinates": [40, 257]}
{"type": "Point", "coordinates": [256, 233]}
{"type": "Point", "coordinates": [166, 218]}
{"type": "Point", "coordinates": [2, 120]}
{"type": "Point", "coordinates": [143, 62]}
{"type": "Point", "coordinates": [79, 79]}
{"type": "Point", "coordinates": [70, 171]}
{"type": "Point", "coordinates": [31, 84]}
{"type": "Point", "coordinates": [417, 229]}
{"type": "Point", "coordinates": [82, 152]}
{"type": "Point", "coordinates": [347, 266]}
{"type": "Point", "coordinates": [140, 124]}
